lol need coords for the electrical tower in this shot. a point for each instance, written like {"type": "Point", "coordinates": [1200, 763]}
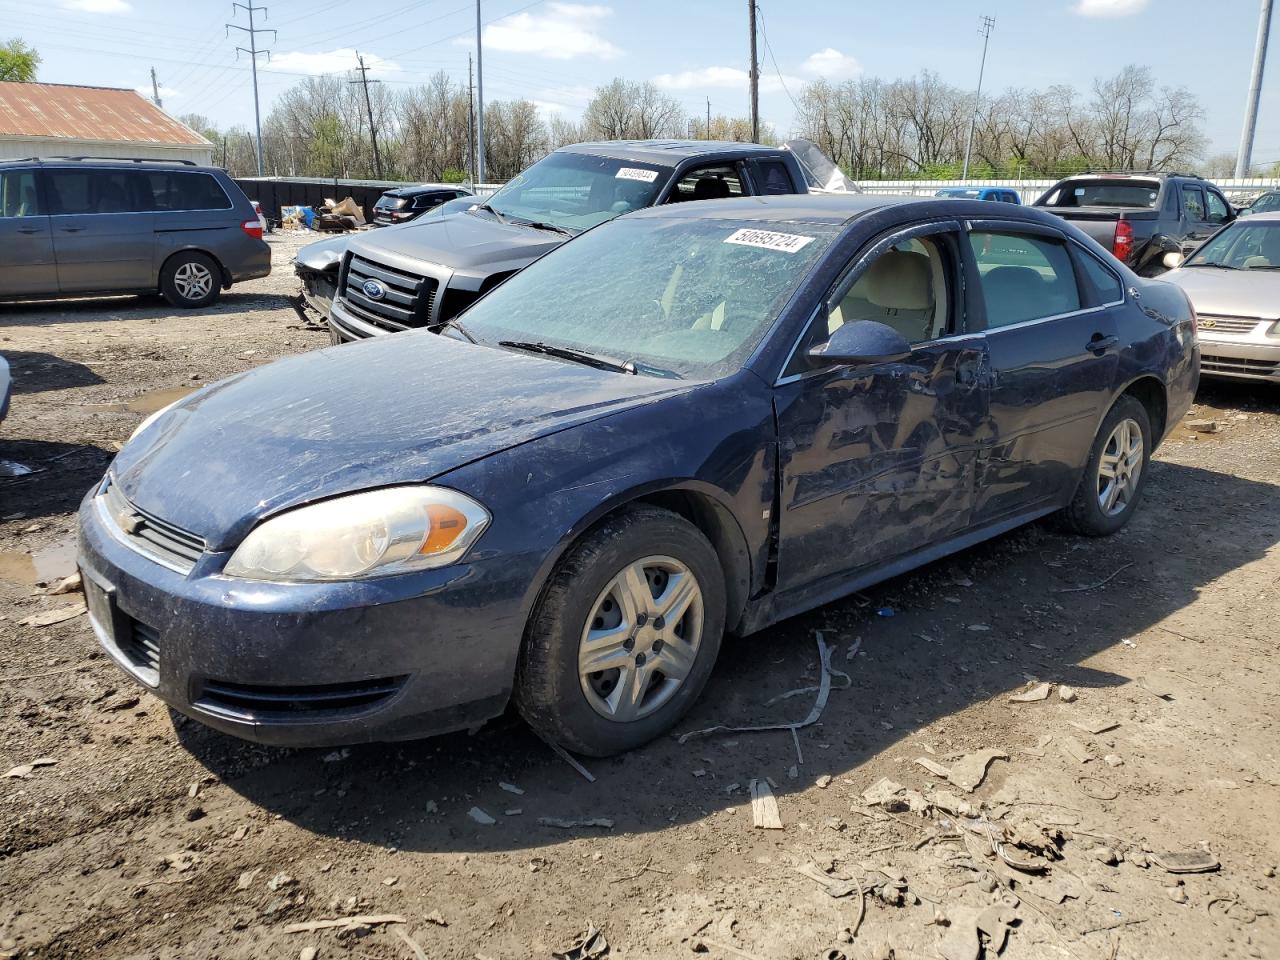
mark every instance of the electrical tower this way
{"type": "Point", "coordinates": [988, 24]}
{"type": "Point", "coordinates": [253, 51]}
{"type": "Point", "coordinates": [368, 105]}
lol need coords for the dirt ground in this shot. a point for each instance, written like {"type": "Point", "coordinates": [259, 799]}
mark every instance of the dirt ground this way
{"type": "Point", "coordinates": [153, 837]}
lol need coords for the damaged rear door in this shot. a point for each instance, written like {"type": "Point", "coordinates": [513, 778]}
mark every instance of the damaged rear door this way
{"type": "Point", "coordinates": [877, 461]}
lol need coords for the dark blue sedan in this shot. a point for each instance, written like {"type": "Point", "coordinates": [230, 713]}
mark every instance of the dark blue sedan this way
{"type": "Point", "coordinates": [686, 424]}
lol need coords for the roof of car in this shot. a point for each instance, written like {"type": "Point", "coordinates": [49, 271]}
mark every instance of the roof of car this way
{"type": "Point", "coordinates": [665, 152]}
{"type": "Point", "coordinates": [1268, 216]}
{"type": "Point", "coordinates": [805, 207]}
{"type": "Point", "coordinates": [428, 188]}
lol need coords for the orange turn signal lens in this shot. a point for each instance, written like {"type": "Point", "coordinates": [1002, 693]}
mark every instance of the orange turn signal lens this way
{"type": "Point", "coordinates": [447, 525]}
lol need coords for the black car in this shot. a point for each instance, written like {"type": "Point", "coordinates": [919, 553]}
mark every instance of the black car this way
{"type": "Point", "coordinates": [405, 203]}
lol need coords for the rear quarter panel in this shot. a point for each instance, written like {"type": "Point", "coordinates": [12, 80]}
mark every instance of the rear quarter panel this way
{"type": "Point", "coordinates": [1158, 340]}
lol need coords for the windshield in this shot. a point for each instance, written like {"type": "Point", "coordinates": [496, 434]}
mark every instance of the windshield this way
{"type": "Point", "coordinates": [1267, 203]}
{"type": "Point", "coordinates": [1102, 192]}
{"type": "Point", "coordinates": [690, 297]}
{"type": "Point", "coordinates": [574, 191]}
{"type": "Point", "coordinates": [1243, 246]}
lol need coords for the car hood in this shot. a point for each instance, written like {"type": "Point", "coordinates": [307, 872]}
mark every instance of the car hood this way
{"type": "Point", "coordinates": [461, 241]}
{"type": "Point", "coordinates": [401, 409]}
{"type": "Point", "coordinates": [1232, 293]}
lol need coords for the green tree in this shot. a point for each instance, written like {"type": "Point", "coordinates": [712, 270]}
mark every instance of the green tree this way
{"type": "Point", "coordinates": [18, 62]}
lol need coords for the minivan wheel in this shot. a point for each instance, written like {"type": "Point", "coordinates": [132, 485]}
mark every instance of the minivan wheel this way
{"type": "Point", "coordinates": [1113, 479]}
{"type": "Point", "coordinates": [625, 634]}
{"type": "Point", "coordinates": [190, 280]}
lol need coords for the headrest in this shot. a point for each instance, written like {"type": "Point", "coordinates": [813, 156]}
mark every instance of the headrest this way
{"type": "Point", "coordinates": [710, 188]}
{"type": "Point", "coordinates": [900, 280]}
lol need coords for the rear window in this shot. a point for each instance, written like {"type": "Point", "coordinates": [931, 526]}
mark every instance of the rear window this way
{"type": "Point", "coordinates": [1103, 192]}
{"type": "Point", "coordinates": [176, 190]}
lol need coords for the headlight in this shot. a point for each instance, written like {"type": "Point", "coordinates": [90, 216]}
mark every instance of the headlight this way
{"type": "Point", "coordinates": [372, 534]}
{"type": "Point", "coordinates": [151, 418]}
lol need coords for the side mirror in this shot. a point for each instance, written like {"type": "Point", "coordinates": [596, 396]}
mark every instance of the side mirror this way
{"type": "Point", "coordinates": [860, 341]}
{"type": "Point", "coordinates": [1173, 260]}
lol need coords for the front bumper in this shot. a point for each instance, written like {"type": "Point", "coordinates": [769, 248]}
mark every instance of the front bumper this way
{"type": "Point", "coordinates": [307, 664]}
{"type": "Point", "coordinates": [1253, 356]}
{"type": "Point", "coordinates": [345, 326]}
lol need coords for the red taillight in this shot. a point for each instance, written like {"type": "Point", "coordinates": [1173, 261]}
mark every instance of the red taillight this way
{"type": "Point", "coordinates": [253, 228]}
{"type": "Point", "coordinates": [1122, 245]}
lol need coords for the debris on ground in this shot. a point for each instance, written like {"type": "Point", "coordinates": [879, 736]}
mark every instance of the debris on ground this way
{"type": "Point", "coordinates": [602, 823]}
{"type": "Point", "coordinates": [345, 923]}
{"type": "Point", "coordinates": [1203, 426]}
{"type": "Point", "coordinates": [1074, 749]}
{"type": "Point", "coordinates": [1035, 694]}
{"type": "Point", "coordinates": [11, 468]}
{"type": "Point", "coordinates": [969, 771]}
{"type": "Point", "coordinates": [590, 945]}
{"type": "Point", "coordinates": [479, 816]}
{"type": "Point", "coordinates": [937, 769]}
{"type": "Point", "coordinates": [1067, 694]}
{"type": "Point", "coordinates": [57, 615]}
{"type": "Point", "coordinates": [1185, 861]}
{"type": "Point", "coordinates": [23, 771]}
{"type": "Point", "coordinates": [511, 788]}
{"type": "Point", "coordinates": [71, 584]}
{"type": "Point", "coordinates": [1094, 726]}
{"type": "Point", "coordinates": [764, 808]}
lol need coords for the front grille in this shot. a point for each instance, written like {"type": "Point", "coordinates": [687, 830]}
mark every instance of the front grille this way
{"type": "Point", "coordinates": [148, 534]}
{"type": "Point", "coordinates": [257, 702]}
{"type": "Point", "coordinates": [1212, 324]}
{"type": "Point", "coordinates": [1239, 365]}
{"type": "Point", "coordinates": [406, 303]}
{"type": "Point", "coordinates": [140, 644]}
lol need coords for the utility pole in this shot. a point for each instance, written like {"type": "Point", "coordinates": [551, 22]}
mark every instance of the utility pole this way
{"type": "Point", "coordinates": [1244, 159]}
{"type": "Point", "coordinates": [253, 52]}
{"type": "Point", "coordinates": [155, 90]}
{"type": "Point", "coordinates": [471, 125]}
{"type": "Point", "coordinates": [368, 106]}
{"type": "Point", "coordinates": [988, 24]}
{"type": "Point", "coordinates": [707, 133]}
{"type": "Point", "coordinates": [479, 100]}
{"type": "Point", "coordinates": [755, 77]}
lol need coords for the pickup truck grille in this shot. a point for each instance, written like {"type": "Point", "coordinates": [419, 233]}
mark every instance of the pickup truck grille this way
{"type": "Point", "coordinates": [1211, 324]}
{"type": "Point", "coordinates": [406, 298]}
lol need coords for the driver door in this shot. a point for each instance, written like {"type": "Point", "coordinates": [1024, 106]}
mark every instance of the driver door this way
{"type": "Point", "coordinates": [877, 461]}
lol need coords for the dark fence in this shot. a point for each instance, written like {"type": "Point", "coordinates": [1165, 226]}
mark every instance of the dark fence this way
{"type": "Point", "coordinates": [276, 192]}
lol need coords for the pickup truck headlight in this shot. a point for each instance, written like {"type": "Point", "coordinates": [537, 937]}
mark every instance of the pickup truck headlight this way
{"type": "Point", "coordinates": [373, 534]}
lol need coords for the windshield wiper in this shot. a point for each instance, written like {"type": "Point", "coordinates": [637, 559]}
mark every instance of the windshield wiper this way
{"type": "Point", "coordinates": [500, 217]}
{"type": "Point", "coordinates": [1265, 266]}
{"type": "Point", "coordinates": [457, 325]}
{"type": "Point", "coordinates": [633, 367]}
{"type": "Point", "coordinates": [542, 225]}
{"type": "Point", "coordinates": [1218, 266]}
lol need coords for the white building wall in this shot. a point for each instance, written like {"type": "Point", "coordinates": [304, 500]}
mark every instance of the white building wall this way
{"type": "Point", "coordinates": [18, 148]}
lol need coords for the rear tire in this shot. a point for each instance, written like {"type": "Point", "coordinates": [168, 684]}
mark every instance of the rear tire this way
{"type": "Point", "coordinates": [190, 280]}
{"type": "Point", "coordinates": [1116, 473]}
{"type": "Point", "coordinates": [642, 598]}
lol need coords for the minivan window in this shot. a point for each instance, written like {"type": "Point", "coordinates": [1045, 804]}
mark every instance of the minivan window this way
{"type": "Point", "coordinates": [180, 190]}
{"type": "Point", "coordinates": [96, 191]}
{"type": "Point", "coordinates": [1023, 277]}
{"type": "Point", "coordinates": [18, 194]}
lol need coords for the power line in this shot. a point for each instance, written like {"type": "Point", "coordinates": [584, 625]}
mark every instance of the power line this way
{"type": "Point", "coordinates": [253, 52]}
{"type": "Point", "coordinates": [774, 60]}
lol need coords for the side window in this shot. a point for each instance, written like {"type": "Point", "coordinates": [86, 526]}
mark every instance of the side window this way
{"type": "Point", "coordinates": [906, 288]}
{"type": "Point", "coordinates": [198, 191]}
{"type": "Point", "coordinates": [69, 191]}
{"type": "Point", "coordinates": [708, 183]}
{"type": "Point", "coordinates": [1218, 211]}
{"type": "Point", "coordinates": [771, 178]}
{"type": "Point", "coordinates": [1193, 202]}
{"type": "Point", "coordinates": [97, 191]}
{"type": "Point", "coordinates": [1106, 285]}
{"type": "Point", "coordinates": [1023, 277]}
{"type": "Point", "coordinates": [18, 194]}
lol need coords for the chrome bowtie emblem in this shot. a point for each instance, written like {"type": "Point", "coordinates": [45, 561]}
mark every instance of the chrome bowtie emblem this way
{"type": "Point", "coordinates": [373, 289]}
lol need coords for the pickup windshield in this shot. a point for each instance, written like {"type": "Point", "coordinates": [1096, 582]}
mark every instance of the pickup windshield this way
{"type": "Point", "coordinates": [688, 297]}
{"type": "Point", "coordinates": [1103, 192]}
{"type": "Point", "coordinates": [1242, 246]}
{"type": "Point", "coordinates": [575, 191]}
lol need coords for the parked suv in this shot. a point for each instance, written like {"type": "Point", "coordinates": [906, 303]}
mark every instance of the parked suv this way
{"type": "Point", "coordinates": [1141, 217]}
{"type": "Point", "coordinates": [407, 203]}
{"type": "Point", "coordinates": [79, 226]}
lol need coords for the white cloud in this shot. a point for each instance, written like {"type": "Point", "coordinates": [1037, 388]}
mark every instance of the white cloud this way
{"type": "Point", "coordinates": [1109, 8]}
{"type": "Point", "coordinates": [831, 64]}
{"type": "Point", "coordinates": [332, 61]}
{"type": "Point", "coordinates": [565, 31]}
{"type": "Point", "coordinates": [98, 6]}
{"type": "Point", "coordinates": [724, 78]}
{"type": "Point", "coordinates": [549, 106]}
{"type": "Point", "coordinates": [166, 93]}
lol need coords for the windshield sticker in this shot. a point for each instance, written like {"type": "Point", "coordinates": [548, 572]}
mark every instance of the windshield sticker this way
{"type": "Point", "coordinates": [766, 240]}
{"type": "Point", "coordinates": [635, 173]}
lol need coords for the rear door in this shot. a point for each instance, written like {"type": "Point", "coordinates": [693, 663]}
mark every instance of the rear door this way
{"type": "Point", "coordinates": [27, 264]}
{"type": "Point", "coordinates": [1053, 343]}
{"type": "Point", "coordinates": [103, 229]}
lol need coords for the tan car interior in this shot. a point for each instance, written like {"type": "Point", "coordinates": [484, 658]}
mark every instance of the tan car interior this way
{"type": "Point", "coordinates": [1268, 254]}
{"type": "Point", "coordinates": [905, 288]}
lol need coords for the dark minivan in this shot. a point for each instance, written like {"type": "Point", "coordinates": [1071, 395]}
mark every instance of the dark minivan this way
{"type": "Point", "coordinates": [80, 226]}
{"type": "Point", "coordinates": [408, 203]}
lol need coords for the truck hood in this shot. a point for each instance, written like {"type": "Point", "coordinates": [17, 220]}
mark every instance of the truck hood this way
{"type": "Point", "coordinates": [464, 242]}
{"type": "Point", "coordinates": [1231, 293]}
{"type": "Point", "coordinates": [399, 409]}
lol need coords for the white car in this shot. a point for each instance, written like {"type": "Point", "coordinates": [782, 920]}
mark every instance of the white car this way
{"type": "Point", "coordinates": [1233, 280]}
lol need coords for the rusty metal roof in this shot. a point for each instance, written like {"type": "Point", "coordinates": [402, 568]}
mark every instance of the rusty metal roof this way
{"type": "Point", "coordinates": [88, 113]}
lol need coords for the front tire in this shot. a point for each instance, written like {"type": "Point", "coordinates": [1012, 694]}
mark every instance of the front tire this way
{"type": "Point", "coordinates": [190, 280]}
{"type": "Point", "coordinates": [625, 634]}
{"type": "Point", "coordinates": [1116, 473]}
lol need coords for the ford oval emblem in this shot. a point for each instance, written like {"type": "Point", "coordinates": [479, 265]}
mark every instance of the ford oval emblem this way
{"type": "Point", "coordinates": [373, 289]}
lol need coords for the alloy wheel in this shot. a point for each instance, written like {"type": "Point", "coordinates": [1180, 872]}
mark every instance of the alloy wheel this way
{"type": "Point", "coordinates": [641, 639]}
{"type": "Point", "coordinates": [1119, 467]}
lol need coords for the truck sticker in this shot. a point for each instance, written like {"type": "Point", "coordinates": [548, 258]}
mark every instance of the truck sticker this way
{"type": "Point", "coordinates": [635, 173]}
{"type": "Point", "coordinates": [766, 240]}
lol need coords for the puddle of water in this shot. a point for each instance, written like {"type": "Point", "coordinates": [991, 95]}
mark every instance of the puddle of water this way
{"type": "Point", "coordinates": [49, 563]}
{"type": "Point", "coordinates": [145, 403]}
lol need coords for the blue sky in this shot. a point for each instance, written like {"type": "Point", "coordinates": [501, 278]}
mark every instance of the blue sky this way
{"type": "Point", "coordinates": [555, 52]}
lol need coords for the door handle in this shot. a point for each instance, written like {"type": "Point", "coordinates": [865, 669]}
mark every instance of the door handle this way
{"type": "Point", "coordinates": [1099, 344]}
{"type": "Point", "coordinates": [71, 229]}
{"type": "Point", "coordinates": [29, 230]}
